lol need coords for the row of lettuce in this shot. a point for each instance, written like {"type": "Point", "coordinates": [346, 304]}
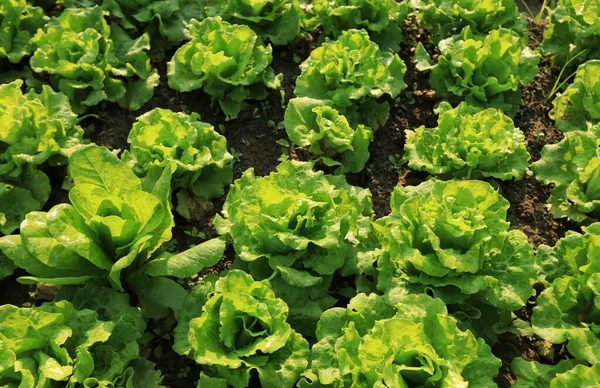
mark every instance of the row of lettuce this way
{"type": "Point", "coordinates": [334, 115]}
{"type": "Point", "coordinates": [483, 58]}
{"type": "Point", "coordinates": [430, 287]}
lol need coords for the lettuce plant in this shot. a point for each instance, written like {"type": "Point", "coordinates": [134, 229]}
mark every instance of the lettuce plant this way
{"type": "Point", "coordinates": [352, 73]}
{"type": "Point", "coordinates": [91, 61]}
{"type": "Point", "coordinates": [468, 142]}
{"type": "Point", "coordinates": [276, 21]}
{"type": "Point", "coordinates": [236, 327]}
{"type": "Point", "coordinates": [444, 18]}
{"type": "Point", "coordinates": [572, 166]}
{"type": "Point", "coordinates": [574, 27]}
{"type": "Point", "coordinates": [451, 239]}
{"type": "Point", "coordinates": [226, 61]}
{"type": "Point", "coordinates": [298, 227]}
{"type": "Point", "coordinates": [37, 130]}
{"type": "Point", "coordinates": [413, 343]}
{"type": "Point", "coordinates": [327, 134]}
{"type": "Point", "coordinates": [382, 19]}
{"type": "Point", "coordinates": [19, 21]}
{"type": "Point", "coordinates": [567, 309]}
{"type": "Point", "coordinates": [114, 223]}
{"type": "Point", "coordinates": [160, 18]}
{"type": "Point", "coordinates": [483, 70]}
{"type": "Point", "coordinates": [567, 373]}
{"type": "Point", "coordinates": [298, 221]}
{"type": "Point", "coordinates": [194, 151]}
{"type": "Point", "coordinates": [579, 104]}
{"type": "Point", "coordinates": [59, 344]}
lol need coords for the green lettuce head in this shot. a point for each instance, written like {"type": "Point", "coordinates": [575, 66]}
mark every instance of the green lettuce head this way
{"type": "Point", "coordinates": [227, 61]}
{"type": "Point", "coordinates": [382, 19]}
{"type": "Point", "coordinates": [413, 343]}
{"type": "Point", "coordinates": [445, 18]}
{"type": "Point", "coordinates": [565, 374]}
{"type": "Point", "coordinates": [352, 73]}
{"type": "Point", "coordinates": [573, 168]}
{"type": "Point", "coordinates": [298, 228]}
{"type": "Point", "coordinates": [19, 21]}
{"type": "Point", "coordinates": [567, 310]}
{"type": "Point", "coordinates": [451, 239]}
{"type": "Point", "coordinates": [328, 134]}
{"type": "Point", "coordinates": [114, 224]}
{"type": "Point", "coordinates": [37, 129]}
{"type": "Point", "coordinates": [483, 70]}
{"type": "Point", "coordinates": [275, 21]}
{"type": "Point", "coordinates": [573, 31]}
{"type": "Point", "coordinates": [468, 142]}
{"type": "Point", "coordinates": [160, 18]}
{"type": "Point", "coordinates": [91, 61]}
{"type": "Point", "coordinates": [579, 105]}
{"type": "Point", "coordinates": [194, 151]}
{"type": "Point", "coordinates": [67, 344]}
{"type": "Point", "coordinates": [237, 327]}
{"type": "Point", "coordinates": [298, 221]}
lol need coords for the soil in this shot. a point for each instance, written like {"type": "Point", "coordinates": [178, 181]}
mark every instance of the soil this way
{"type": "Point", "coordinates": [254, 138]}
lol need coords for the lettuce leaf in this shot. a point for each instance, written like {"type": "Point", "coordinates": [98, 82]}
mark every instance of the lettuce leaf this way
{"type": "Point", "coordinates": [298, 228]}
{"type": "Point", "coordinates": [84, 343]}
{"type": "Point", "coordinates": [115, 222]}
{"type": "Point", "coordinates": [274, 21]}
{"type": "Point", "coordinates": [579, 105]}
{"type": "Point", "coordinates": [572, 167]}
{"type": "Point", "coordinates": [567, 309]}
{"type": "Point", "coordinates": [534, 374]}
{"type": "Point", "coordinates": [444, 18]}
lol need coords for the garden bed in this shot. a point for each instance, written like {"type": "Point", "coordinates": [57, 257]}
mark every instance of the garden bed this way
{"type": "Point", "coordinates": [257, 142]}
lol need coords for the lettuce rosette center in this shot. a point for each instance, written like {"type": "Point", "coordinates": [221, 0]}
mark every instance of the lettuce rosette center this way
{"type": "Point", "coordinates": [245, 326]}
